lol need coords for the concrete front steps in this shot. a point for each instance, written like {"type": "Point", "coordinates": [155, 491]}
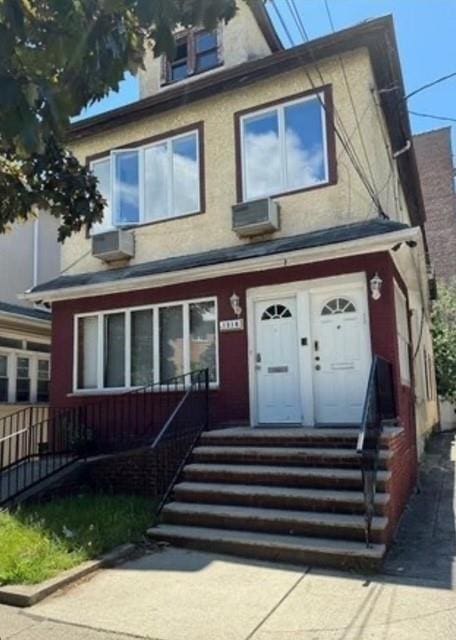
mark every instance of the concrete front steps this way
{"type": "Point", "coordinates": [292, 495]}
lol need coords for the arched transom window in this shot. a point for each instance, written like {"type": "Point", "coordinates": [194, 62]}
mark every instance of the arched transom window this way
{"type": "Point", "coordinates": [338, 305]}
{"type": "Point", "coordinates": [275, 312]}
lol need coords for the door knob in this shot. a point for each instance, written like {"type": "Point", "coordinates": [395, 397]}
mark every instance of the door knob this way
{"type": "Point", "coordinates": [317, 367]}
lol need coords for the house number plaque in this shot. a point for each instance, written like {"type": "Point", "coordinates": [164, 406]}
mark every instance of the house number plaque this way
{"type": "Point", "coordinates": [232, 325]}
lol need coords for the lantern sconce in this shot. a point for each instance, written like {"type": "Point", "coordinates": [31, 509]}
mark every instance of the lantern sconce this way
{"type": "Point", "coordinates": [376, 287]}
{"type": "Point", "coordinates": [234, 301]}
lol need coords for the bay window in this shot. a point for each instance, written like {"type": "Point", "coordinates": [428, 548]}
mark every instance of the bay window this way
{"type": "Point", "coordinates": [153, 182]}
{"type": "Point", "coordinates": [284, 148]}
{"type": "Point", "coordinates": [145, 345]}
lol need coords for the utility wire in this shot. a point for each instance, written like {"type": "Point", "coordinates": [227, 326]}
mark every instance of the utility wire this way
{"type": "Point", "coordinates": [429, 85]}
{"type": "Point", "coordinates": [348, 147]}
{"type": "Point", "coordinates": [283, 23]}
{"type": "Point", "coordinates": [432, 116]}
{"type": "Point", "coordinates": [352, 102]}
{"type": "Point", "coordinates": [351, 153]}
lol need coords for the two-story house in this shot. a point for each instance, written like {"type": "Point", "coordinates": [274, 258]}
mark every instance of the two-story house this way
{"type": "Point", "coordinates": [265, 219]}
{"type": "Point", "coordinates": [29, 255]}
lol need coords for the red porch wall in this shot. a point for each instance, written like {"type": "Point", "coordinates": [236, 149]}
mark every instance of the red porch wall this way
{"type": "Point", "coordinates": [231, 402]}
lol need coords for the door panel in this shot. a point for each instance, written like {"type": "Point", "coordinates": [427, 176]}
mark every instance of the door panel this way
{"type": "Point", "coordinates": [276, 362]}
{"type": "Point", "coordinates": [341, 356]}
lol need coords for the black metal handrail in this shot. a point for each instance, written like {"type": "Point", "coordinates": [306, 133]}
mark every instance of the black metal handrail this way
{"type": "Point", "coordinates": [111, 424]}
{"type": "Point", "coordinates": [379, 405]}
{"type": "Point", "coordinates": [180, 434]}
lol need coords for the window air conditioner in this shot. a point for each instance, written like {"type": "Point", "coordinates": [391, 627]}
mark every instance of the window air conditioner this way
{"type": "Point", "coordinates": [113, 245]}
{"type": "Point", "coordinates": [256, 217]}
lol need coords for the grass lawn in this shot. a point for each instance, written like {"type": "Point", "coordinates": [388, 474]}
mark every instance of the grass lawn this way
{"type": "Point", "coordinates": [39, 541]}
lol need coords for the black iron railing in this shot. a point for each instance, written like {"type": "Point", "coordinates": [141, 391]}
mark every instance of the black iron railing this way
{"type": "Point", "coordinates": [33, 452]}
{"type": "Point", "coordinates": [379, 406]}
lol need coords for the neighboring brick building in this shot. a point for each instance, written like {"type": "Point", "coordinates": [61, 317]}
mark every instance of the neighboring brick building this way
{"type": "Point", "coordinates": [435, 164]}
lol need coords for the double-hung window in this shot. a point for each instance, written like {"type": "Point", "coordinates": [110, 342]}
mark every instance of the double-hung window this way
{"type": "Point", "coordinates": [284, 147]}
{"type": "Point", "coordinates": [153, 182]}
{"type": "Point", "coordinates": [146, 345]}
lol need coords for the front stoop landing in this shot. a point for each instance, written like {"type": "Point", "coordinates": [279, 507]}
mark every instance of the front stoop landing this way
{"type": "Point", "coordinates": [288, 495]}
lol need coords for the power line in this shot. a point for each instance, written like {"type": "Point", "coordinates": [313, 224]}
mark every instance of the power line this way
{"type": "Point", "coordinates": [352, 102]}
{"type": "Point", "coordinates": [298, 20]}
{"type": "Point", "coordinates": [282, 22]}
{"type": "Point", "coordinates": [432, 116]}
{"type": "Point", "coordinates": [430, 84]}
{"type": "Point", "coordinates": [346, 144]}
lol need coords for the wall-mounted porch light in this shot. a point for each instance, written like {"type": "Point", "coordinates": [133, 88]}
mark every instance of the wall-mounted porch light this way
{"type": "Point", "coordinates": [234, 301]}
{"type": "Point", "coordinates": [376, 287]}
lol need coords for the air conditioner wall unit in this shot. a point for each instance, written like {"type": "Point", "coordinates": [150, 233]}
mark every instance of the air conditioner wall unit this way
{"type": "Point", "coordinates": [113, 245]}
{"type": "Point", "coordinates": [256, 217]}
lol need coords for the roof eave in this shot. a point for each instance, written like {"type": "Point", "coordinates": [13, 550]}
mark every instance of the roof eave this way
{"type": "Point", "coordinates": [365, 245]}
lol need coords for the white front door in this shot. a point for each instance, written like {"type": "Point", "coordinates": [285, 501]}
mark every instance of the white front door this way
{"type": "Point", "coordinates": [276, 362]}
{"type": "Point", "coordinates": [341, 355]}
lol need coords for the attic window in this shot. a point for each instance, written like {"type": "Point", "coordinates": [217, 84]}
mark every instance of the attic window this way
{"type": "Point", "coordinates": [196, 52]}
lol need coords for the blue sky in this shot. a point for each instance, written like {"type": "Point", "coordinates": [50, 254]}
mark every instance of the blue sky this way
{"type": "Point", "coordinates": [426, 34]}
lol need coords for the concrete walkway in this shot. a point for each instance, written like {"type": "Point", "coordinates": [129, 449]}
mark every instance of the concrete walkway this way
{"type": "Point", "coordinates": [174, 594]}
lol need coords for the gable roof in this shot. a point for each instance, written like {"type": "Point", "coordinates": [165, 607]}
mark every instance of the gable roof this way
{"type": "Point", "coordinates": [321, 238]}
{"type": "Point", "coordinates": [377, 36]}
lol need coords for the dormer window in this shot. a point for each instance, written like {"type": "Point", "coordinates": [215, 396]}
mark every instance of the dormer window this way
{"type": "Point", "coordinates": [196, 52]}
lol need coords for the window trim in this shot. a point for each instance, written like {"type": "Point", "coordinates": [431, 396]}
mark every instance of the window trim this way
{"type": "Point", "coordinates": [100, 389]}
{"type": "Point", "coordinates": [145, 143]}
{"type": "Point", "coordinates": [328, 134]}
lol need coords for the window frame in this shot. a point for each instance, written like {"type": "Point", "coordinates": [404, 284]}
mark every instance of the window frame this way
{"type": "Point", "coordinates": [141, 146]}
{"type": "Point", "coordinates": [12, 356]}
{"type": "Point", "coordinates": [329, 144]}
{"type": "Point", "coordinates": [190, 36]}
{"type": "Point", "coordinates": [102, 390]}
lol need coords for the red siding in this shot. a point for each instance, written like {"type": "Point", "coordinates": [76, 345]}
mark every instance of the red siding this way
{"type": "Point", "coordinates": [231, 402]}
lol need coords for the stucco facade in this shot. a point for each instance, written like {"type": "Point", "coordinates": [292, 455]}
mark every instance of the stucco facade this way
{"type": "Point", "coordinates": [344, 202]}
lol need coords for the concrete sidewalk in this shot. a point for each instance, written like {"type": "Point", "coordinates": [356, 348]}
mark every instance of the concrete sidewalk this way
{"type": "Point", "coordinates": [174, 594]}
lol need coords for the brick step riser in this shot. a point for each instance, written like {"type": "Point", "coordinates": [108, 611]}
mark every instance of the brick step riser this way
{"type": "Point", "coordinates": [235, 441]}
{"type": "Point", "coordinates": [291, 527]}
{"type": "Point", "coordinates": [274, 554]}
{"type": "Point", "coordinates": [280, 481]}
{"type": "Point", "coordinates": [274, 502]}
{"type": "Point", "coordinates": [308, 461]}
